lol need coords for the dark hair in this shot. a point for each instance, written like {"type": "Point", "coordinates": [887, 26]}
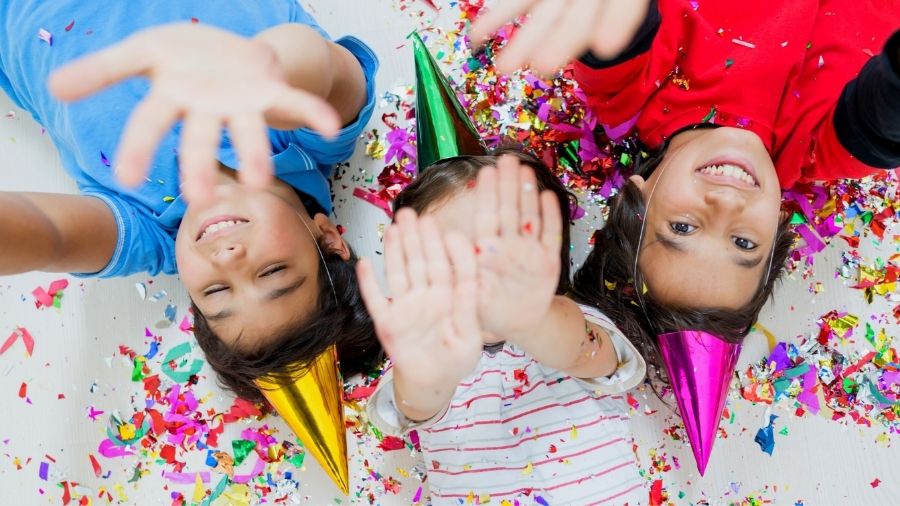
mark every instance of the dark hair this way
{"type": "Point", "coordinates": [609, 280]}
{"type": "Point", "coordinates": [339, 318]}
{"type": "Point", "coordinates": [450, 176]}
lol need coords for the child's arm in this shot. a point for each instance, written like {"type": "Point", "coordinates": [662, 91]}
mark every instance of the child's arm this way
{"type": "Point", "coordinates": [210, 79]}
{"type": "Point", "coordinates": [559, 31]}
{"type": "Point", "coordinates": [519, 241]}
{"type": "Point", "coordinates": [55, 233]}
{"type": "Point", "coordinates": [429, 328]}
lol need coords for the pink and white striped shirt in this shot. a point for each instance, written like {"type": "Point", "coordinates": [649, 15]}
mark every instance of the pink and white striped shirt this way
{"type": "Point", "coordinates": [517, 430]}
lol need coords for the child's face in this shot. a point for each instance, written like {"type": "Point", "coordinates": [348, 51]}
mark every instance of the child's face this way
{"type": "Point", "coordinates": [708, 233]}
{"type": "Point", "coordinates": [257, 271]}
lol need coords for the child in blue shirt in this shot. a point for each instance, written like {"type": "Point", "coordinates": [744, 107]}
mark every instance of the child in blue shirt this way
{"type": "Point", "coordinates": [250, 255]}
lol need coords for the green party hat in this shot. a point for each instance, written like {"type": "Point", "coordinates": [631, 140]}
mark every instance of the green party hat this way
{"type": "Point", "coordinates": [443, 129]}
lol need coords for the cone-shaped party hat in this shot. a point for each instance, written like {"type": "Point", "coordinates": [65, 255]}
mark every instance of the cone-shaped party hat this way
{"type": "Point", "coordinates": [443, 129]}
{"type": "Point", "coordinates": [311, 405]}
{"type": "Point", "coordinates": [700, 367]}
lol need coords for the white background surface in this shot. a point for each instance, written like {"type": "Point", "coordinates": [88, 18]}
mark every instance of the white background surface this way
{"type": "Point", "coordinates": [819, 462]}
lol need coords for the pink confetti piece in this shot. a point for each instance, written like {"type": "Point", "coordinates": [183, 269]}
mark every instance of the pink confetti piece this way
{"type": "Point", "coordinates": [27, 339]}
{"type": "Point", "coordinates": [373, 199]}
{"type": "Point", "coordinates": [45, 36]}
{"type": "Point", "coordinates": [186, 478]}
{"type": "Point", "coordinates": [744, 43]}
{"type": "Point", "coordinates": [110, 450]}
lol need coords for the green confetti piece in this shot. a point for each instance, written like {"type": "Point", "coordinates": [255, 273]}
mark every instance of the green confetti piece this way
{"type": "Point", "coordinates": [849, 385]}
{"type": "Point", "coordinates": [473, 64]}
{"type": "Point", "coordinates": [800, 370]}
{"type": "Point", "coordinates": [728, 63]}
{"type": "Point", "coordinates": [625, 159]}
{"type": "Point", "coordinates": [297, 460]}
{"type": "Point", "coordinates": [709, 116]}
{"type": "Point", "coordinates": [216, 492]}
{"type": "Point", "coordinates": [179, 375]}
{"type": "Point", "coordinates": [137, 373]}
{"type": "Point", "coordinates": [797, 219]}
{"type": "Point", "coordinates": [681, 494]}
{"type": "Point", "coordinates": [783, 431]}
{"type": "Point", "coordinates": [167, 199]}
{"type": "Point", "coordinates": [866, 217]}
{"type": "Point", "coordinates": [241, 448]}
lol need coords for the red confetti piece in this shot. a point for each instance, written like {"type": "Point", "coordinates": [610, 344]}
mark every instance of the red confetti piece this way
{"type": "Point", "coordinates": [875, 483]}
{"type": "Point", "coordinates": [96, 465]}
{"type": "Point", "coordinates": [70, 25]}
{"type": "Point", "coordinates": [391, 443]}
{"type": "Point", "coordinates": [23, 390]}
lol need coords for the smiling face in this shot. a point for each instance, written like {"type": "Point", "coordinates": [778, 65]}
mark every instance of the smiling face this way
{"type": "Point", "coordinates": [250, 263]}
{"type": "Point", "coordinates": [712, 219]}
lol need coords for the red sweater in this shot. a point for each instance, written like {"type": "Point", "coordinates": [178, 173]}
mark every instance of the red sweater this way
{"type": "Point", "coordinates": [774, 67]}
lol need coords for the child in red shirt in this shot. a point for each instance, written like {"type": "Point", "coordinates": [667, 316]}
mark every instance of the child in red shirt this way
{"type": "Point", "coordinates": [737, 100]}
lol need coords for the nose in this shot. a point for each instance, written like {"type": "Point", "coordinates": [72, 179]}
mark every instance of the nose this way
{"type": "Point", "coordinates": [726, 200]}
{"type": "Point", "coordinates": [229, 254]}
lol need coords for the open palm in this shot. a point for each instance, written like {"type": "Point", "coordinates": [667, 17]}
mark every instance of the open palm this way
{"type": "Point", "coordinates": [430, 326]}
{"type": "Point", "coordinates": [519, 234]}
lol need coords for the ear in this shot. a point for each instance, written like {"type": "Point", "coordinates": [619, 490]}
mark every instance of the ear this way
{"type": "Point", "coordinates": [330, 237]}
{"type": "Point", "coordinates": [637, 181]}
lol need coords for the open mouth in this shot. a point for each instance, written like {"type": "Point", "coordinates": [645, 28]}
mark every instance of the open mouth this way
{"type": "Point", "coordinates": [730, 172]}
{"type": "Point", "coordinates": [219, 225]}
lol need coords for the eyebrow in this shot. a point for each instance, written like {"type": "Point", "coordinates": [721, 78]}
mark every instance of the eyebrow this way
{"type": "Point", "coordinates": [273, 295]}
{"type": "Point", "coordinates": [747, 263]}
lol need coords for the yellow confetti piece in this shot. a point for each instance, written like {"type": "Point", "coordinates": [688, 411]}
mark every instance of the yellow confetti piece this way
{"type": "Point", "coordinates": [528, 469]}
{"type": "Point", "coordinates": [120, 492]}
{"type": "Point", "coordinates": [127, 431]}
{"type": "Point", "coordinates": [484, 499]}
{"type": "Point", "coordinates": [506, 502]}
{"type": "Point", "coordinates": [375, 149]}
{"type": "Point", "coordinates": [574, 432]}
{"type": "Point", "coordinates": [168, 199]}
{"type": "Point", "coordinates": [610, 285]}
{"type": "Point", "coordinates": [199, 490]}
{"type": "Point", "coordinates": [237, 494]}
{"type": "Point", "coordinates": [470, 499]}
{"type": "Point", "coordinates": [770, 338]}
{"type": "Point", "coordinates": [402, 472]}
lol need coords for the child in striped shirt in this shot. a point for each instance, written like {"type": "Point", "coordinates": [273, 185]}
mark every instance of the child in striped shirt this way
{"type": "Point", "coordinates": [514, 390]}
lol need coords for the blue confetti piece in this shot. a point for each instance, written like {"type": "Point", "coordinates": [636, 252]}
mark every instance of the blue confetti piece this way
{"type": "Point", "coordinates": [211, 460]}
{"type": "Point", "coordinates": [540, 500]}
{"type": "Point", "coordinates": [154, 349]}
{"type": "Point", "coordinates": [104, 159]}
{"type": "Point", "coordinates": [765, 437]}
{"type": "Point", "coordinates": [170, 313]}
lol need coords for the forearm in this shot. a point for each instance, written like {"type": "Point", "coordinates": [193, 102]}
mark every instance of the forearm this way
{"type": "Point", "coordinates": [421, 402]}
{"type": "Point", "coordinates": [565, 341]}
{"type": "Point", "coordinates": [56, 233]}
{"type": "Point", "coordinates": [318, 66]}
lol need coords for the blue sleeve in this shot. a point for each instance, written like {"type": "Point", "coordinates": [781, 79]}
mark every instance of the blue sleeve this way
{"type": "Point", "coordinates": [340, 148]}
{"type": "Point", "coordinates": [143, 245]}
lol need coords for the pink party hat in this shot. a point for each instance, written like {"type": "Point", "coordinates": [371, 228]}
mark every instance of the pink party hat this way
{"type": "Point", "coordinates": [700, 367]}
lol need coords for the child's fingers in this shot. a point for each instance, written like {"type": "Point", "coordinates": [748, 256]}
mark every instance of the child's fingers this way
{"type": "Point", "coordinates": [530, 217]}
{"type": "Point", "coordinates": [487, 225]}
{"type": "Point", "coordinates": [500, 14]}
{"type": "Point", "coordinates": [416, 269]}
{"type": "Point", "coordinates": [394, 262]}
{"type": "Point", "coordinates": [250, 137]}
{"type": "Point", "coordinates": [508, 189]}
{"type": "Point", "coordinates": [571, 38]}
{"type": "Point", "coordinates": [465, 270]}
{"type": "Point", "coordinates": [529, 38]}
{"type": "Point", "coordinates": [99, 70]}
{"type": "Point", "coordinates": [302, 107]}
{"type": "Point", "coordinates": [197, 156]}
{"type": "Point", "coordinates": [376, 304]}
{"type": "Point", "coordinates": [149, 122]}
{"type": "Point", "coordinates": [435, 256]}
{"type": "Point", "coordinates": [552, 222]}
{"type": "Point", "coordinates": [617, 25]}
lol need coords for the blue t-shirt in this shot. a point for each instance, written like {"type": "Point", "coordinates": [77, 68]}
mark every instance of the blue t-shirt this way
{"type": "Point", "coordinates": [87, 132]}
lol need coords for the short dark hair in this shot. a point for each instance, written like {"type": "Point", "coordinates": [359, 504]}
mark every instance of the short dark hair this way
{"type": "Point", "coordinates": [449, 176]}
{"type": "Point", "coordinates": [339, 318]}
{"type": "Point", "coordinates": [610, 281]}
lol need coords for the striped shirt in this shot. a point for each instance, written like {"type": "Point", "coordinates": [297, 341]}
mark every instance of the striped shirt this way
{"type": "Point", "coordinates": [517, 430]}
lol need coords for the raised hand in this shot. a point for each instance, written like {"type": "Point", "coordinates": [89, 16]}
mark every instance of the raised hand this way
{"type": "Point", "coordinates": [430, 326]}
{"type": "Point", "coordinates": [210, 79]}
{"type": "Point", "coordinates": [560, 30]}
{"type": "Point", "coordinates": [518, 237]}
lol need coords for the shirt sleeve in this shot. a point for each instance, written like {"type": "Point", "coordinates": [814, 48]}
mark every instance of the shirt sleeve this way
{"type": "Point", "coordinates": [866, 119]}
{"type": "Point", "coordinates": [383, 412]}
{"type": "Point", "coordinates": [142, 244]}
{"type": "Point", "coordinates": [631, 369]}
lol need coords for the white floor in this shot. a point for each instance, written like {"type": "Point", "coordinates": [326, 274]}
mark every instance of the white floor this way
{"type": "Point", "coordinates": [77, 364]}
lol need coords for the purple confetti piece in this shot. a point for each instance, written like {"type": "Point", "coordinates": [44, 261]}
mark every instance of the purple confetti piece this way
{"type": "Point", "coordinates": [44, 469]}
{"type": "Point", "coordinates": [103, 159]}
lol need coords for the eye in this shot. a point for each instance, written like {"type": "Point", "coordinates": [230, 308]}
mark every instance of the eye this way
{"type": "Point", "coordinates": [682, 228]}
{"type": "Point", "coordinates": [744, 244]}
{"type": "Point", "coordinates": [214, 289]}
{"type": "Point", "coordinates": [272, 270]}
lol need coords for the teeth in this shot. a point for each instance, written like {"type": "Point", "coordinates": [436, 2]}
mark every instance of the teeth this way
{"type": "Point", "coordinates": [215, 227]}
{"type": "Point", "coordinates": [729, 170]}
